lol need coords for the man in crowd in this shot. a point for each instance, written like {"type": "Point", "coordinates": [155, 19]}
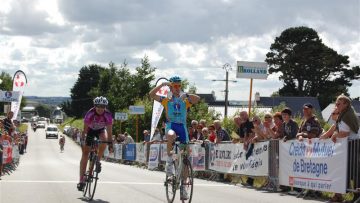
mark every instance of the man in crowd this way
{"type": "Point", "coordinates": [310, 126]}
{"type": "Point", "coordinates": [289, 126]}
{"type": "Point", "coordinates": [221, 133]}
{"type": "Point", "coordinates": [8, 124]}
{"type": "Point", "coordinates": [128, 139]}
{"type": "Point", "coordinates": [146, 136]}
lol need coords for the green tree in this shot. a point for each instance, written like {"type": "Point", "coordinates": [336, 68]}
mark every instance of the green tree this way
{"type": "Point", "coordinates": [81, 100]}
{"type": "Point", "coordinates": [43, 110]}
{"type": "Point", "coordinates": [309, 67]}
{"type": "Point", "coordinates": [143, 77]}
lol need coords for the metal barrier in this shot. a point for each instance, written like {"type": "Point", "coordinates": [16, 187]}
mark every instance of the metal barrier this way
{"type": "Point", "coordinates": [274, 166]}
{"type": "Point", "coordinates": [354, 165]}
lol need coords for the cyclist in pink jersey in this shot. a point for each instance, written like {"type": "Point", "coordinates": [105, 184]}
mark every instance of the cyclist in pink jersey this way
{"type": "Point", "coordinates": [98, 123]}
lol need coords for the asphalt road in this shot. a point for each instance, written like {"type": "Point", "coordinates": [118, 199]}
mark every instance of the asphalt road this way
{"type": "Point", "coordinates": [45, 175]}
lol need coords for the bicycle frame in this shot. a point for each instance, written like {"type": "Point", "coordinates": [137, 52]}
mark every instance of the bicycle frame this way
{"type": "Point", "coordinates": [180, 161]}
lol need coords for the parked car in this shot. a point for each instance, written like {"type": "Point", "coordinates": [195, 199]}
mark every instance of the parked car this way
{"type": "Point", "coordinates": [52, 131]}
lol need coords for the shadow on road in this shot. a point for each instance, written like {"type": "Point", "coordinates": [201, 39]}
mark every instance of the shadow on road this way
{"type": "Point", "coordinates": [94, 200]}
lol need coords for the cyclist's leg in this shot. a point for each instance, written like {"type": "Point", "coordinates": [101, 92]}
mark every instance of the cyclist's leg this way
{"type": "Point", "coordinates": [102, 147]}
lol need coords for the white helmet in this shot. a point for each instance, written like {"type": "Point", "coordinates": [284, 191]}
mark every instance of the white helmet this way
{"type": "Point", "coordinates": [101, 101]}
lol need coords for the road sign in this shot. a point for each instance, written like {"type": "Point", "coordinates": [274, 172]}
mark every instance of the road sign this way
{"type": "Point", "coordinates": [121, 116]}
{"type": "Point", "coordinates": [137, 109]}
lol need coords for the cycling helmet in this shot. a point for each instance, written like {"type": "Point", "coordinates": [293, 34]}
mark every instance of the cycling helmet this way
{"type": "Point", "coordinates": [101, 101]}
{"type": "Point", "coordinates": [175, 79]}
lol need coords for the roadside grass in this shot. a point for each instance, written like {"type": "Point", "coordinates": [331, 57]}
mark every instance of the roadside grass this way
{"type": "Point", "coordinates": [73, 122]}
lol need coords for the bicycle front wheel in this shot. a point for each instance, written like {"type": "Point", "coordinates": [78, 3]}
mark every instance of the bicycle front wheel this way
{"type": "Point", "coordinates": [171, 185]}
{"type": "Point", "coordinates": [187, 182]}
{"type": "Point", "coordinates": [91, 181]}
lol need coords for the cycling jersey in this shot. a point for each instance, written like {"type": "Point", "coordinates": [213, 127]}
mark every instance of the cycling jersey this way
{"type": "Point", "coordinates": [97, 122]}
{"type": "Point", "coordinates": [176, 111]}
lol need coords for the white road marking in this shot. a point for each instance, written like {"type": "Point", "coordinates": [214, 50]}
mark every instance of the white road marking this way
{"type": "Point", "coordinates": [108, 182]}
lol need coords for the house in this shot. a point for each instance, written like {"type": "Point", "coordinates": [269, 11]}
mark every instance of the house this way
{"type": "Point", "coordinates": [262, 104]}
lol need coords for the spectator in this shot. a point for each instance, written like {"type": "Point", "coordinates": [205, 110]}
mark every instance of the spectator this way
{"type": "Point", "coordinates": [347, 123]}
{"type": "Point", "coordinates": [1, 146]}
{"type": "Point", "coordinates": [221, 134]}
{"type": "Point", "coordinates": [237, 122]}
{"type": "Point", "coordinates": [8, 124]}
{"type": "Point", "coordinates": [331, 131]}
{"type": "Point", "coordinates": [276, 131]}
{"type": "Point", "coordinates": [259, 130]}
{"type": "Point", "coordinates": [146, 136]}
{"type": "Point", "coordinates": [205, 133]}
{"type": "Point", "coordinates": [212, 133]}
{"type": "Point", "coordinates": [310, 126]}
{"type": "Point", "coordinates": [157, 136]}
{"type": "Point", "coordinates": [246, 129]}
{"type": "Point", "coordinates": [128, 139]}
{"type": "Point", "coordinates": [202, 122]}
{"type": "Point", "coordinates": [198, 135]}
{"type": "Point", "coordinates": [192, 130]}
{"type": "Point", "coordinates": [119, 138]}
{"type": "Point", "coordinates": [289, 127]}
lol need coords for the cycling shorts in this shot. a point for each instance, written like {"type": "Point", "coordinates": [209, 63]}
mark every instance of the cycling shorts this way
{"type": "Point", "coordinates": [91, 134]}
{"type": "Point", "coordinates": [180, 130]}
{"type": "Point", "coordinates": [1, 154]}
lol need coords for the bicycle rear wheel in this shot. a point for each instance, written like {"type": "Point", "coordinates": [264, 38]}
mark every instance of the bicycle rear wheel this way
{"type": "Point", "coordinates": [171, 185]}
{"type": "Point", "coordinates": [187, 184]}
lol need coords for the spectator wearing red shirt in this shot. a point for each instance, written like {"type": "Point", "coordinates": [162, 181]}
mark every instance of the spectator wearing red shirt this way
{"type": "Point", "coordinates": [212, 134]}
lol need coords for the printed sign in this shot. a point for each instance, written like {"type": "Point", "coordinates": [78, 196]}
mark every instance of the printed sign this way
{"type": "Point", "coordinates": [118, 151]}
{"type": "Point", "coordinates": [9, 96]}
{"type": "Point", "coordinates": [141, 152]}
{"type": "Point", "coordinates": [317, 165]}
{"type": "Point", "coordinates": [7, 152]}
{"type": "Point", "coordinates": [163, 152]}
{"type": "Point", "coordinates": [137, 109]}
{"type": "Point", "coordinates": [255, 70]}
{"type": "Point", "coordinates": [154, 156]}
{"type": "Point", "coordinates": [233, 158]}
{"type": "Point", "coordinates": [130, 152]}
{"type": "Point", "coordinates": [197, 157]}
{"type": "Point", "coordinates": [120, 116]}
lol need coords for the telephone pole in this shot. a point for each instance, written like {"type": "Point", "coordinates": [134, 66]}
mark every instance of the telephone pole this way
{"type": "Point", "coordinates": [227, 68]}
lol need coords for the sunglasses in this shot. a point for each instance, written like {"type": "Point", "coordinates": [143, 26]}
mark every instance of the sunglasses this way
{"type": "Point", "coordinates": [334, 113]}
{"type": "Point", "coordinates": [100, 106]}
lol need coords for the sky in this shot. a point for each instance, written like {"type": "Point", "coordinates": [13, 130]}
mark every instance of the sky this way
{"type": "Point", "coordinates": [50, 40]}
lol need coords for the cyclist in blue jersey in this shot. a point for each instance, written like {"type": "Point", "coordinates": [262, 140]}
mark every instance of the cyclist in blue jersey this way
{"type": "Point", "coordinates": [176, 106]}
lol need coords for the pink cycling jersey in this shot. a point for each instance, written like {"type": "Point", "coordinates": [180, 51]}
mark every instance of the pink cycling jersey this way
{"type": "Point", "coordinates": [95, 121]}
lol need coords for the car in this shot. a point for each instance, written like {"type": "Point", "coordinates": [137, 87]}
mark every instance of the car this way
{"type": "Point", "coordinates": [66, 129]}
{"type": "Point", "coordinates": [52, 131]}
{"type": "Point", "coordinates": [40, 124]}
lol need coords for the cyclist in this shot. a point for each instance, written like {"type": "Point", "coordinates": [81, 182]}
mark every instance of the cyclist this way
{"type": "Point", "coordinates": [176, 106]}
{"type": "Point", "coordinates": [96, 121]}
{"type": "Point", "coordinates": [62, 142]}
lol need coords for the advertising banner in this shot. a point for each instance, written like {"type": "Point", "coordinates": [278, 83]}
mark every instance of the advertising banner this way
{"type": "Point", "coordinates": [141, 152]}
{"type": "Point", "coordinates": [130, 152]}
{"type": "Point", "coordinates": [118, 151]}
{"type": "Point", "coordinates": [157, 107]}
{"type": "Point", "coordinates": [154, 156]}
{"type": "Point", "coordinates": [197, 157]}
{"type": "Point", "coordinates": [163, 152]}
{"type": "Point", "coordinates": [233, 158]}
{"type": "Point", "coordinates": [7, 152]}
{"type": "Point", "coordinates": [9, 96]}
{"type": "Point", "coordinates": [19, 83]}
{"type": "Point", "coordinates": [314, 164]}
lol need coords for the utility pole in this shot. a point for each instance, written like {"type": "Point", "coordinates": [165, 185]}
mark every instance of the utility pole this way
{"type": "Point", "coordinates": [227, 68]}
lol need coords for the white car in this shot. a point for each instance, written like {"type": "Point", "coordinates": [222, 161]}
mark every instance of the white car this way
{"type": "Point", "coordinates": [40, 124]}
{"type": "Point", "coordinates": [52, 131]}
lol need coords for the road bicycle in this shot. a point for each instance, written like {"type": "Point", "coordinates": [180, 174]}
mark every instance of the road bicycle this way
{"type": "Point", "coordinates": [183, 177]}
{"type": "Point", "coordinates": [94, 168]}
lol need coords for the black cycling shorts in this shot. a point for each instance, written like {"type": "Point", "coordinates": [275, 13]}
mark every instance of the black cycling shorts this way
{"type": "Point", "coordinates": [1, 154]}
{"type": "Point", "coordinates": [92, 134]}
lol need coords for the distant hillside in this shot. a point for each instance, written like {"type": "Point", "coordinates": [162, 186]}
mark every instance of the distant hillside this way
{"type": "Point", "coordinates": [54, 101]}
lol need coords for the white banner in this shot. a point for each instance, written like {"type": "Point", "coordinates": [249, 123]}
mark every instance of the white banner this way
{"type": "Point", "coordinates": [197, 157]}
{"type": "Point", "coordinates": [163, 152]}
{"type": "Point", "coordinates": [157, 107]}
{"type": "Point", "coordinates": [255, 70]}
{"type": "Point", "coordinates": [232, 158]}
{"type": "Point", "coordinates": [19, 83]}
{"type": "Point", "coordinates": [154, 156]}
{"type": "Point", "coordinates": [118, 151]}
{"type": "Point", "coordinates": [9, 96]}
{"type": "Point", "coordinates": [317, 165]}
{"type": "Point", "coordinates": [141, 152]}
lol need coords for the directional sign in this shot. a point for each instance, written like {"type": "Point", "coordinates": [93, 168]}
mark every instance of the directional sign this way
{"type": "Point", "coordinates": [121, 116]}
{"type": "Point", "coordinates": [137, 109]}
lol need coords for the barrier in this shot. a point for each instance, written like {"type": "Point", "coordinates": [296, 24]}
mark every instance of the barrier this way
{"type": "Point", "coordinates": [353, 183]}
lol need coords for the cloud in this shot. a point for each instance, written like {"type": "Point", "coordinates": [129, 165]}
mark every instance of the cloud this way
{"type": "Point", "coordinates": [51, 40]}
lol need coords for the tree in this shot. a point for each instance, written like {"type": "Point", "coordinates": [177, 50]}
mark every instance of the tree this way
{"type": "Point", "coordinates": [308, 67]}
{"type": "Point", "coordinates": [143, 77]}
{"type": "Point", "coordinates": [81, 100]}
{"type": "Point", "coordinates": [43, 110]}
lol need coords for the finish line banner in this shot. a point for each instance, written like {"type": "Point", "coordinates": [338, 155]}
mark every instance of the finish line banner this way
{"type": "Point", "coordinates": [317, 165]}
{"type": "Point", "coordinates": [232, 158]}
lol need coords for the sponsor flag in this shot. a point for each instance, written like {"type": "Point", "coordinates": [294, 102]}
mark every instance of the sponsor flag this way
{"type": "Point", "coordinates": [157, 107]}
{"type": "Point", "coordinates": [19, 83]}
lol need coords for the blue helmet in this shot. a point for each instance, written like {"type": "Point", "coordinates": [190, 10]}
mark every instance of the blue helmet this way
{"type": "Point", "coordinates": [175, 79]}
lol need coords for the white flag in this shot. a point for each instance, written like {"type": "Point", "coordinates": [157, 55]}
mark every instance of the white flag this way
{"type": "Point", "coordinates": [19, 83]}
{"type": "Point", "coordinates": [157, 107]}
